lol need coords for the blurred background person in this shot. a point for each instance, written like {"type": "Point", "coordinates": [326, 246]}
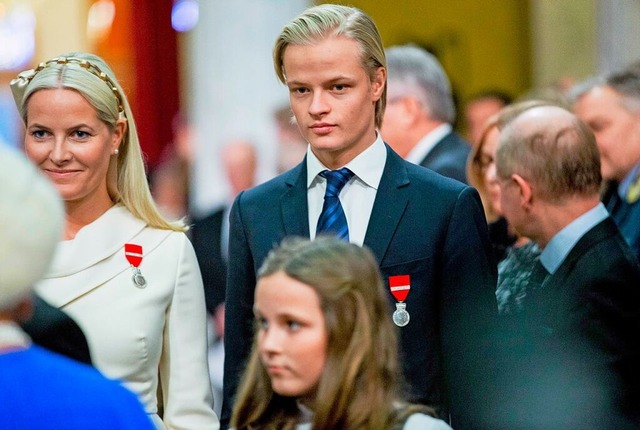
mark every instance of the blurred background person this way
{"type": "Point", "coordinates": [210, 234]}
{"type": "Point", "coordinates": [634, 67]}
{"type": "Point", "coordinates": [610, 106]}
{"type": "Point", "coordinates": [41, 389]}
{"type": "Point", "coordinates": [169, 184]}
{"type": "Point", "coordinates": [170, 179]}
{"type": "Point", "coordinates": [480, 108]}
{"type": "Point", "coordinates": [325, 354]}
{"type": "Point", "coordinates": [125, 274]}
{"type": "Point", "coordinates": [291, 144]}
{"type": "Point", "coordinates": [210, 238]}
{"type": "Point", "coordinates": [420, 112]}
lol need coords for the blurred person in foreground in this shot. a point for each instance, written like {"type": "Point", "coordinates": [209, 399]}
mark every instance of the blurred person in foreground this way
{"type": "Point", "coordinates": [325, 352]}
{"type": "Point", "coordinates": [127, 276]}
{"type": "Point", "coordinates": [420, 112]}
{"type": "Point", "coordinates": [41, 389]}
{"type": "Point", "coordinates": [421, 226]}
{"type": "Point", "coordinates": [610, 106]}
{"type": "Point", "coordinates": [572, 354]}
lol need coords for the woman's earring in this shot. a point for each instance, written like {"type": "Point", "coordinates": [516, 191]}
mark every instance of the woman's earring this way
{"type": "Point", "coordinates": [116, 151]}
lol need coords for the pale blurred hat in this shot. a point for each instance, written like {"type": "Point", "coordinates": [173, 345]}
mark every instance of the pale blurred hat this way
{"type": "Point", "coordinates": [31, 221]}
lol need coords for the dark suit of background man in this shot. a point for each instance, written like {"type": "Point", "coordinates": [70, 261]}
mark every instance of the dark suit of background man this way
{"type": "Point", "coordinates": [416, 222]}
{"type": "Point", "coordinates": [420, 113]}
{"type": "Point", "coordinates": [210, 234]}
{"type": "Point", "coordinates": [574, 353]}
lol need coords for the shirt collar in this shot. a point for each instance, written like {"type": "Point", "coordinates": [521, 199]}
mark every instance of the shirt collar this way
{"type": "Point", "coordinates": [367, 166]}
{"type": "Point", "coordinates": [563, 242]}
{"type": "Point", "coordinates": [427, 143]}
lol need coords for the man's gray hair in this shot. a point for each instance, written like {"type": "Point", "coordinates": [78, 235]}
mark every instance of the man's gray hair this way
{"type": "Point", "coordinates": [418, 73]}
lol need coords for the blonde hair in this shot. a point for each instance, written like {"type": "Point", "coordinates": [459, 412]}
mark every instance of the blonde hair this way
{"type": "Point", "coordinates": [358, 388]}
{"type": "Point", "coordinates": [90, 76]}
{"type": "Point", "coordinates": [327, 20]}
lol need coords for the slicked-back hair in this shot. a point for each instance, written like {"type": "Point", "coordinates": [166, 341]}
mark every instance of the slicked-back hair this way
{"type": "Point", "coordinates": [330, 20]}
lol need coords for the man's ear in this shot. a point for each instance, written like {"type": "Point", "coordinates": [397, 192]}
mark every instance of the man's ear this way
{"type": "Point", "coordinates": [413, 107]}
{"type": "Point", "coordinates": [526, 191]}
{"type": "Point", "coordinates": [378, 82]}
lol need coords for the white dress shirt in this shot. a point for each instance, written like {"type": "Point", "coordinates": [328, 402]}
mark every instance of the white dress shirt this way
{"type": "Point", "coordinates": [358, 194]}
{"type": "Point", "coordinates": [427, 143]}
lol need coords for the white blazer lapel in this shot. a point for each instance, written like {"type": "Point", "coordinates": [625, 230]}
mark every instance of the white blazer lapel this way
{"type": "Point", "coordinates": [96, 255]}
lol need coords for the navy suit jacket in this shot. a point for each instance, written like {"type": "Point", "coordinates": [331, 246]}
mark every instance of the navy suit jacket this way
{"type": "Point", "coordinates": [449, 157]}
{"type": "Point", "coordinates": [423, 225]}
{"type": "Point", "coordinates": [573, 354]}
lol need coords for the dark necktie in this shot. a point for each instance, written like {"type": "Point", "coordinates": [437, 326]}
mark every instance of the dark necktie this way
{"type": "Point", "coordinates": [332, 218]}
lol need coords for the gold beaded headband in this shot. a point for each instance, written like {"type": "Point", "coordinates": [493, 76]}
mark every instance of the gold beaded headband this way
{"type": "Point", "coordinates": [19, 84]}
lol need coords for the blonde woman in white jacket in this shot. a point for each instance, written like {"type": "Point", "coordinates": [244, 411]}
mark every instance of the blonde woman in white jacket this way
{"type": "Point", "coordinates": [125, 274]}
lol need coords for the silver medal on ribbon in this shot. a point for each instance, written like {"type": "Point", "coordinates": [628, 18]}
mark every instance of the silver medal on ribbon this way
{"type": "Point", "coordinates": [138, 279]}
{"type": "Point", "coordinates": [400, 315]}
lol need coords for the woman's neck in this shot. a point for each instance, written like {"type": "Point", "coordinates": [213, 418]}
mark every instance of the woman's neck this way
{"type": "Point", "coordinates": [81, 214]}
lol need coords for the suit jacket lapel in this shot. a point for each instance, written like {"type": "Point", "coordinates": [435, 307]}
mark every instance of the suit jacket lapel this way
{"type": "Point", "coordinates": [391, 201]}
{"type": "Point", "coordinates": [295, 213]}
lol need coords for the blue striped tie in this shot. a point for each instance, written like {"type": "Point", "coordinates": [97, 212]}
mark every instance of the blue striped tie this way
{"type": "Point", "coordinates": [332, 218]}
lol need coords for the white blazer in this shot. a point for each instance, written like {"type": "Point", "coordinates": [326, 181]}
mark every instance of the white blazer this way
{"type": "Point", "coordinates": [148, 336]}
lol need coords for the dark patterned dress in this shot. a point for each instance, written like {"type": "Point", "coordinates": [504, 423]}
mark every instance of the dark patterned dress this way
{"type": "Point", "coordinates": [514, 272]}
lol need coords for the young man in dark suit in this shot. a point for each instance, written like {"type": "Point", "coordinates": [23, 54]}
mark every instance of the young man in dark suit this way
{"type": "Point", "coordinates": [428, 232]}
{"type": "Point", "coordinates": [418, 121]}
{"type": "Point", "coordinates": [573, 352]}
